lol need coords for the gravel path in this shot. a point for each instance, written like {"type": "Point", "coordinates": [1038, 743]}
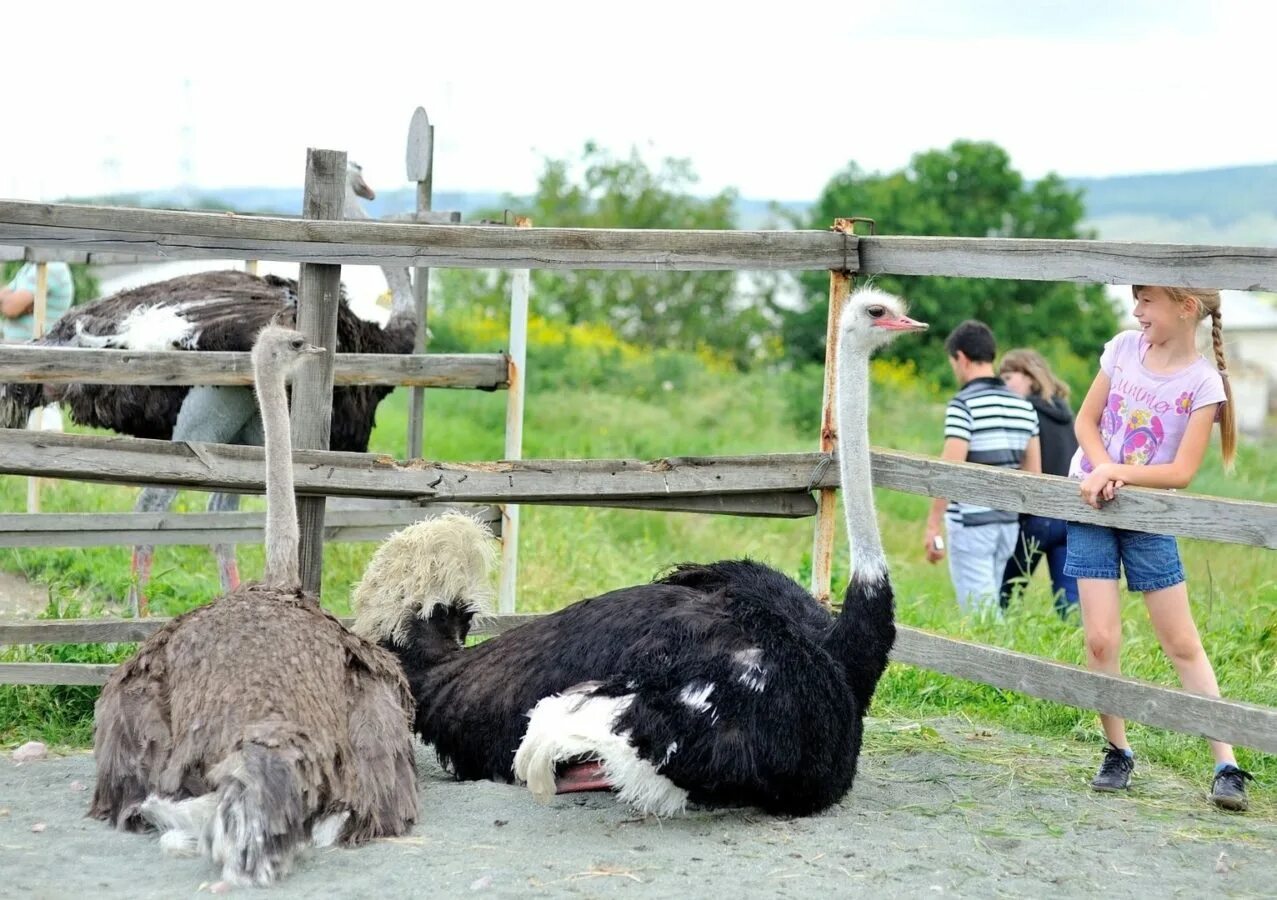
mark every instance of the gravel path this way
{"type": "Point", "coordinates": [938, 809]}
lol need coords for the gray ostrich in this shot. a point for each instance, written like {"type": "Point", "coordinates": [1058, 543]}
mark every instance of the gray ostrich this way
{"type": "Point", "coordinates": [258, 724]}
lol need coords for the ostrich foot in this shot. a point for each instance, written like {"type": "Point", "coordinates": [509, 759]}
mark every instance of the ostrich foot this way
{"type": "Point", "coordinates": [582, 776]}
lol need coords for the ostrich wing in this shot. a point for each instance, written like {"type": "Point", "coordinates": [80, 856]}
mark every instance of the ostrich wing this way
{"type": "Point", "coordinates": [132, 739]}
{"type": "Point", "coordinates": [382, 789]}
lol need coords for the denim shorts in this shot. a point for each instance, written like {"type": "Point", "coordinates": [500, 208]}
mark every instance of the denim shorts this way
{"type": "Point", "coordinates": [1151, 561]}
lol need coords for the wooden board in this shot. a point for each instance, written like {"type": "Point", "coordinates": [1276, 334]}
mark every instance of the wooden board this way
{"type": "Point", "coordinates": [198, 235]}
{"type": "Point", "coordinates": [599, 481]}
{"type": "Point", "coordinates": [1176, 710]}
{"type": "Point", "coordinates": [73, 365]}
{"type": "Point", "coordinates": [111, 529]}
{"type": "Point", "coordinates": [1106, 262]}
{"type": "Point", "coordinates": [318, 299]}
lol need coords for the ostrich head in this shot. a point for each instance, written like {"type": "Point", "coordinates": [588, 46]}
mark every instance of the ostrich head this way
{"type": "Point", "coordinates": [426, 583]}
{"type": "Point", "coordinates": [356, 188]}
{"type": "Point", "coordinates": [873, 318]}
{"type": "Point", "coordinates": [278, 351]}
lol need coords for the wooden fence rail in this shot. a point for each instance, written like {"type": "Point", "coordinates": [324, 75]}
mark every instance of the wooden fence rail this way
{"type": "Point", "coordinates": [110, 529]}
{"type": "Point", "coordinates": [616, 482]}
{"type": "Point", "coordinates": [1225, 720]}
{"type": "Point", "coordinates": [217, 235]}
{"type": "Point", "coordinates": [67, 365]}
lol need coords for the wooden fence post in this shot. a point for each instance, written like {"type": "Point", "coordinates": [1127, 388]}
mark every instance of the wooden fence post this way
{"type": "Point", "coordinates": [39, 312]}
{"type": "Point", "coordinates": [822, 551]}
{"type": "Point", "coordinates": [520, 287]}
{"type": "Point", "coordinates": [420, 165]}
{"type": "Point", "coordinates": [317, 298]}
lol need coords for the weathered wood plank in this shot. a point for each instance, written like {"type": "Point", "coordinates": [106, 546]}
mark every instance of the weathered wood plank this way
{"type": "Point", "coordinates": [67, 365]}
{"type": "Point", "coordinates": [1106, 262]}
{"type": "Point", "coordinates": [54, 673]}
{"type": "Point", "coordinates": [128, 631]}
{"type": "Point", "coordinates": [197, 235]}
{"type": "Point", "coordinates": [1176, 710]}
{"type": "Point", "coordinates": [601, 481]}
{"type": "Point", "coordinates": [1225, 720]}
{"type": "Point", "coordinates": [318, 299]}
{"type": "Point", "coordinates": [111, 529]}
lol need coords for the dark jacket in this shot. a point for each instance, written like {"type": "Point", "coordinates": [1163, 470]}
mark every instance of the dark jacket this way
{"type": "Point", "coordinates": [1055, 431]}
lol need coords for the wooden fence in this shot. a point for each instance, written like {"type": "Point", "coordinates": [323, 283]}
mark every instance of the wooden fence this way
{"type": "Point", "coordinates": [778, 484]}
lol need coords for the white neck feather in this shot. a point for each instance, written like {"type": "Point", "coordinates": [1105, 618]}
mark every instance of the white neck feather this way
{"type": "Point", "coordinates": [851, 405]}
{"type": "Point", "coordinates": [402, 302]}
{"type": "Point", "coordinates": [282, 533]}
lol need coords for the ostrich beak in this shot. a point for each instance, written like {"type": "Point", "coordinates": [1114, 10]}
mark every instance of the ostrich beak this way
{"type": "Point", "coordinates": [900, 323]}
{"type": "Point", "coordinates": [312, 350]}
{"type": "Point", "coordinates": [361, 188]}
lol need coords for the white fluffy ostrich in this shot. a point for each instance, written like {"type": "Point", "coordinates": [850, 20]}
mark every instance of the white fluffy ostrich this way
{"type": "Point", "coordinates": [209, 311]}
{"type": "Point", "coordinates": [253, 726]}
{"type": "Point", "coordinates": [724, 684]}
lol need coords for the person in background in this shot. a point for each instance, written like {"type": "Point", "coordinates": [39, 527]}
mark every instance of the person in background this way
{"type": "Point", "coordinates": [17, 300]}
{"type": "Point", "coordinates": [984, 423]}
{"type": "Point", "coordinates": [1028, 374]}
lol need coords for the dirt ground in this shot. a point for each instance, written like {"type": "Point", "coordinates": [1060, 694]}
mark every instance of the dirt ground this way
{"type": "Point", "coordinates": [938, 808]}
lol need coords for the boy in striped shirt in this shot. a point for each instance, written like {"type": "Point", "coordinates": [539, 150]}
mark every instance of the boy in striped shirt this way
{"type": "Point", "coordinates": [989, 424]}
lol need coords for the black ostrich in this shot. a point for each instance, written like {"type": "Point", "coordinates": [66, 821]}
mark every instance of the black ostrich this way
{"type": "Point", "coordinates": [724, 684]}
{"type": "Point", "coordinates": [209, 311]}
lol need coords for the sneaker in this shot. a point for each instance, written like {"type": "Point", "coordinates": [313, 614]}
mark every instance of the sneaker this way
{"type": "Point", "coordinates": [1228, 790]}
{"type": "Point", "coordinates": [1115, 771]}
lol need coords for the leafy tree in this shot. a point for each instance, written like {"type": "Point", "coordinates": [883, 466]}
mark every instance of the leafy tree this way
{"type": "Point", "coordinates": [672, 310]}
{"type": "Point", "coordinates": [969, 189]}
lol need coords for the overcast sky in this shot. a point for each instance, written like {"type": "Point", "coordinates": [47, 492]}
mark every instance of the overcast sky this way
{"type": "Point", "coordinates": [773, 101]}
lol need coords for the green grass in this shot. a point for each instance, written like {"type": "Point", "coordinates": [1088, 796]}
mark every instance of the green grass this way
{"type": "Point", "coordinates": [567, 554]}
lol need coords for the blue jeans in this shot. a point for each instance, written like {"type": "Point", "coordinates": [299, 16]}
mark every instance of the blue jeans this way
{"type": "Point", "coordinates": [1151, 561]}
{"type": "Point", "coordinates": [1041, 536]}
{"type": "Point", "coordinates": [977, 556]}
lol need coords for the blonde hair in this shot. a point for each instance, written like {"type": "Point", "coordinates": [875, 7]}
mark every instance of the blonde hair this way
{"type": "Point", "coordinates": [1032, 364]}
{"type": "Point", "coordinates": [1208, 304]}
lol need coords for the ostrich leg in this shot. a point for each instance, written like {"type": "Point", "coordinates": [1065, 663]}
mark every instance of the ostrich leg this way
{"type": "Point", "coordinates": [227, 563]}
{"type": "Point", "coordinates": [208, 415]}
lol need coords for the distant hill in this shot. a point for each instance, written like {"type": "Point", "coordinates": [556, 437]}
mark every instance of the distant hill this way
{"type": "Point", "coordinates": [1236, 205]}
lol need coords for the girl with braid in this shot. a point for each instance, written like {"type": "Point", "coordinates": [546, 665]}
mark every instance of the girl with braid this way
{"type": "Point", "coordinates": [1146, 421]}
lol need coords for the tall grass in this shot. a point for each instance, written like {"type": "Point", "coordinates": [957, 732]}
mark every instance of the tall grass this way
{"type": "Point", "coordinates": [603, 400]}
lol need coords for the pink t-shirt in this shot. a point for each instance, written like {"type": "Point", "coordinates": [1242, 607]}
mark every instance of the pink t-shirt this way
{"type": "Point", "coordinates": [1146, 413]}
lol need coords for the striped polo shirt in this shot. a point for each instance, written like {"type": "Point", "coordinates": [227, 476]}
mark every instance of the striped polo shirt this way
{"type": "Point", "coordinates": [997, 424]}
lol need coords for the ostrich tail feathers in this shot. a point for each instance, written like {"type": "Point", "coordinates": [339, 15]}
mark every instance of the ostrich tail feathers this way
{"type": "Point", "coordinates": [445, 561]}
{"type": "Point", "coordinates": [17, 401]}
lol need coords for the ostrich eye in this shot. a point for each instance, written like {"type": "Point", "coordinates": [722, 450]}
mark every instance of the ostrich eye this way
{"type": "Point", "coordinates": [296, 343]}
{"type": "Point", "coordinates": [876, 312]}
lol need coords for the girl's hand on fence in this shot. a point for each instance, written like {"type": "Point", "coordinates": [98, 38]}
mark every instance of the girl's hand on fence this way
{"type": "Point", "coordinates": [1097, 489]}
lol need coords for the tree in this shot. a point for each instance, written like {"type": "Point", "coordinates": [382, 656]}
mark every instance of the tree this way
{"type": "Point", "coordinates": [675, 310]}
{"type": "Point", "coordinates": [969, 190]}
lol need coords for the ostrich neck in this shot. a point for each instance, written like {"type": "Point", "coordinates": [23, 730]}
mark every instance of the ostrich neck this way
{"type": "Point", "coordinates": [852, 405]}
{"type": "Point", "coordinates": [282, 532]}
{"type": "Point", "coordinates": [403, 306]}
{"type": "Point", "coordinates": [402, 303]}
